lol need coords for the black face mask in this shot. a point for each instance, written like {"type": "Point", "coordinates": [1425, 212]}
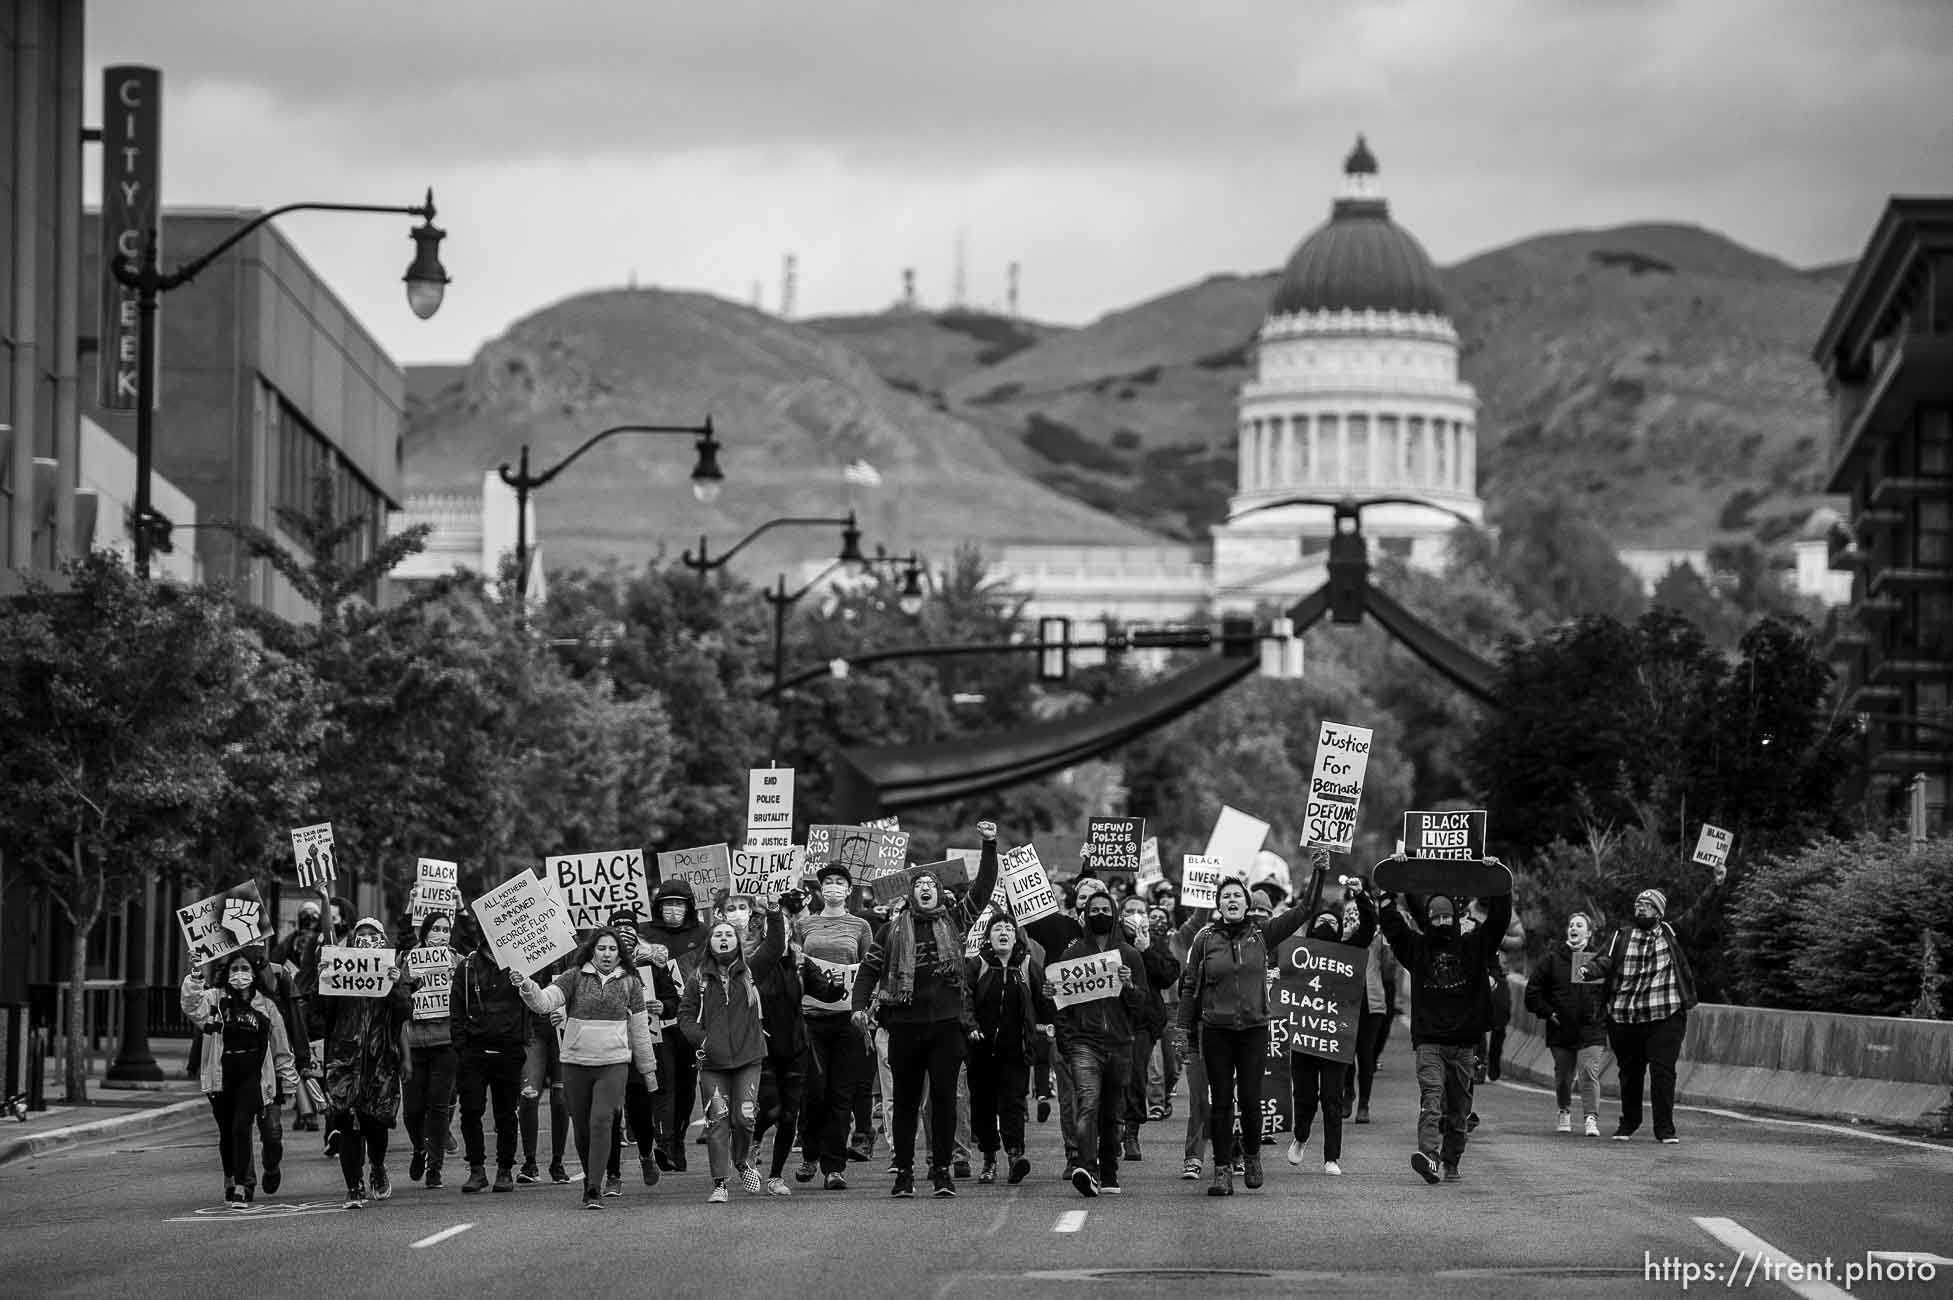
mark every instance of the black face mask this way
{"type": "Point", "coordinates": [1646, 922]}
{"type": "Point", "coordinates": [1099, 923]}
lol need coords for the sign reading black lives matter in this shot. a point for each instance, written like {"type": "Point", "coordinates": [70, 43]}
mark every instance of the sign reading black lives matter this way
{"type": "Point", "coordinates": [1114, 843]}
{"type": "Point", "coordinates": [1445, 836]}
{"type": "Point", "coordinates": [1318, 998]}
{"type": "Point", "coordinates": [221, 924]}
{"type": "Point", "coordinates": [591, 886]}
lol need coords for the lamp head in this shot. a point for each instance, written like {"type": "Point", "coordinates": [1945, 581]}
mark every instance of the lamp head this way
{"type": "Point", "coordinates": [851, 543]}
{"type": "Point", "coordinates": [910, 600]}
{"type": "Point", "coordinates": [426, 279]}
{"type": "Point", "coordinates": [707, 477]}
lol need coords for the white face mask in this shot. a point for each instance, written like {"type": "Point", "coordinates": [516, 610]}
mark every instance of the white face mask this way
{"type": "Point", "coordinates": [834, 894]}
{"type": "Point", "coordinates": [739, 917]}
{"type": "Point", "coordinates": [240, 979]}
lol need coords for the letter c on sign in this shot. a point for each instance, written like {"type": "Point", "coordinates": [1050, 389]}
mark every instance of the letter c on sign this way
{"type": "Point", "coordinates": [127, 93]}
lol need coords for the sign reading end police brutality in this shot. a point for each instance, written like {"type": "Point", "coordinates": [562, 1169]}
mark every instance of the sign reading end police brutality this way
{"type": "Point", "coordinates": [1336, 787]}
{"type": "Point", "coordinates": [591, 886]}
{"type": "Point", "coordinates": [522, 925]}
{"type": "Point", "coordinates": [1026, 885]}
{"type": "Point", "coordinates": [769, 807]}
{"type": "Point", "coordinates": [354, 972]}
{"type": "Point", "coordinates": [1084, 979]}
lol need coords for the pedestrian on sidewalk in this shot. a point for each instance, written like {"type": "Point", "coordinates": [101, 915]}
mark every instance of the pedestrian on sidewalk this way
{"type": "Point", "coordinates": [1007, 976]}
{"type": "Point", "coordinates": [1575, 1019]}
{"type": "Point", "coordinates": [247, 1064]}
{"type": "Point", "coordinates": [489, 1027]}
{"type": "Point", "coordinates": [427, 1099]}
{"type": "Point", "coordinates": [721, 1016]}
{"type": "Point", "coordinates": [363, 1067]}
{"type": "Point", "coordinates": [1096, 1037]}
{"type": "Point", "coordinates": [1648, 992]}
{"type": "Point", "coordinates": [839, 1063]}
{"type": "Point", "coordinates": [604, 1034]}
{"type": "Point", "coordinates": [1319, 1080]}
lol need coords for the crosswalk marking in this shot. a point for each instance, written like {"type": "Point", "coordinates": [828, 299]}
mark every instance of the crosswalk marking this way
{"type": "Point", "coordinates": [1069, 1221]}
{"type": "Point", "coordinates": [1778, 1266]}
{"type": "Point", "coordinates": [441, 1236]}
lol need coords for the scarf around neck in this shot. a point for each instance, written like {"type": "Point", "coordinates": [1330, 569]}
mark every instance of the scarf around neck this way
{"type": "Point", "coordinates": [898, 978]}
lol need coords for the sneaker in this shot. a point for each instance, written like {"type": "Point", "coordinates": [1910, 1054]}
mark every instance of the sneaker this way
{"type": "Point", "coordinates": [1109, 1183]}
{"type": "Point", "coordinates": [1084, 1181]}
{"type": "Point", "coordinates": [477, 1180]}
{"type": "Point", "coordinates": [1223, 1184]}
{"type": "Point", "coordinates": [417, 1167]}
{"type": "Point", "coordinates": [1669, 1141]}
{"type": "Point", "coordinates": [750, 1181]}
{"type": "Point", "coordinates": [234, 1198]}
{"type": "Point", "coordinates": [1622, 1135]}
{"type": "Point", "coordinates": [678, 1157]}
{"type": "Point", "coordinates": [1296, 1151]}
{"type": "Point", "coordinates": [1044, 1110]}
{"type": "Point", "coordinates": [1331, 1168]}
{"type": "Point", "coordinates": [944, 1182]}
{"type": "Point", "coordinates": [1426, 1167]}
{"type": "Point", "coordinates": [271, 1180]}
{"type": "Point", "coordinates": [558, 1174]}
{"type": "Point", "coordinates": [650, 1168]}
{"type": "Point", "coordinates": [331, 1143]}
{"type": "Point", "coordinates": [1471, 1122]}
{"type": "Point", "coordinates": [778, 1187]}
{"type": "Point", "coordinates": [505, 1180]}
{"type": "Point", "coordinates": [1155, 1113]}
{"type": "Point", "coordinates": [1129, 1149]}
{"type": "Point", "coordinates": [834, 1183]}
{"type": "Point", "coordinates": [434, 1182]}
{"type": "Point", "coordinates": [613, 1185]}
{"type": "Point", "coordinates": [962, 1169]}
{"type": "Point", "coordinates": [1190, 1171]}
{"type": "Point", "coordinates": [662, 1154]}
{"type": "Point", "coordinates": [1252, 1174]}
{"type": "Point", "coordinates": [355, 1198]}
{"type": "Point", "coordinates": [1593, 1126]}
{"type": "Point", "coordinates": [528, 1174]}
{"type": "Point", "coordinates": [1020, 1169]}
{"type": "Point", "coordinates": [904, 1184]}
{"type": "Point", "coordinates": [592, 1199]}
{"type": "Point", "coordinates": [862, 1149]}
{"type": "Point", "coordinates": [893, 1168]}
{"type": "Point", "coordinates": [988, 1174]}
{"type": "Point", "coordinates": [1566, 1122]}
{"type": "Point", "coordinates": [1451, 1174]}
{"type": "Point", "coordinates": [1362, 1114]}
{"type": "Point", "coordinates": [382, 1185]}
{"type": "Point", "coordinates": [806, 1172]}
{"type": "Point", "coordinates": [720, 1193]}
{"type": "Point", "coordinates": [1239, 1167]}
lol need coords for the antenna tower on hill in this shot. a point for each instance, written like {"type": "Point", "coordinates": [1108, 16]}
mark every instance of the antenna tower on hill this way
{"type": "Point", "coordinates": [1011, 299]}
{"type": "Point", "coordinates": [960, 289]}
{"type": "Point", "coordinates": [787, 277]}
{"type": "Point", "coordinates": [908, 288]}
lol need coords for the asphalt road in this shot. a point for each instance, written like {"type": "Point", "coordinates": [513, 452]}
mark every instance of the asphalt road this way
{"type": "Point", "coordinates": [1538, 1215]}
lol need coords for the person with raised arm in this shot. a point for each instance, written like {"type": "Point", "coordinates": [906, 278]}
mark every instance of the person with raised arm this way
{"type": "Point", "coordinates": [721, 1016]}
{"type": "Point", "coordinates": [247, 1064]}
{"type": "Point", "coordinates": [1317, 1080]}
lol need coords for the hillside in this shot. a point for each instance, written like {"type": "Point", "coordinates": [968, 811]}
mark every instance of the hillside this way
{"type": "Point", "coordinates": [1657, 373]}
{"type": "Point", "coordinates": [791, 405]}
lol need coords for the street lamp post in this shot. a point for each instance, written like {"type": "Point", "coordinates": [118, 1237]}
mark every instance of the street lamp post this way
{"type": "Point", "coordinates": [427, 283]}
{"type": "Point", "coordinates": [850, 542]}
{"type": "Point", "coordinates": [910, 600]}
{"type": "Point", "coordinates": [707, 478]}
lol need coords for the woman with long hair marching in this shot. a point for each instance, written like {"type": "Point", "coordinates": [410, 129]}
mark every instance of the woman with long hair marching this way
{"type": "Point", "coordinates": [721, 1017]}
{"type": "Point", "coordinates": [246, 1065]}
{"type": "Point", "coordinates": [428, 1099]}
{"type": "Point", "coordinates": [1319, 1080]}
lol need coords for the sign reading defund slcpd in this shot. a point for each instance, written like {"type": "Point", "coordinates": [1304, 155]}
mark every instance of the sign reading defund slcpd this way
{"type": "Point", "coordinates": [1336, 787]}
{"type": "Point", "coordinates": [523, 925]}
{"type": "Point", "coordinates": [1318, 998]}
{"type": "Point", "coordinates": [591, 886]}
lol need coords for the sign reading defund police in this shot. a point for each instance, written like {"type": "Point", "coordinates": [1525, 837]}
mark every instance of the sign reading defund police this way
{"type": "Point", "coordinates": [1445, 836]}
{"type": "Point", "coordinates": [591, 886]}
{"type": "Point", "coordinates": [1336, 787]}
{"type": "Point", "coordinates": [1318, 998]}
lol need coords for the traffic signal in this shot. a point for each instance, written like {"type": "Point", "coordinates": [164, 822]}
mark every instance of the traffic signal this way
{"type": "Point", "coordinates": [1349, 570]}
{"type": "Point", "coordinates": [1054, 660]}
{"type": "Point", "coordinates": [157, 528]}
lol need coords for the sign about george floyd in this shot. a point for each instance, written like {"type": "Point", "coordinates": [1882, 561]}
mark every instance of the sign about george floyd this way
{"type": "Point", "coordinates": [523, 925]}
{"type": "Point", "coordinates": [1114, 844]}
{"type": "Point", "coordinates": [221, 924]}
{"type": "Point", "coordinates": [866, 851]}
{"type": "Point", "coordinates": [1200, 877]}
{"type": "Point", "coordinates": [769, 807]}
{"type": "Point", "coordinates": [354, 972]}
{"type": "Point", "coordinates": [591, 886]}
{"type": "Point", "coordinates": [1445, 836]}
{"type": "Point", "coordinates": [1026, 886]}
{"type": "Point", "coordinates": [706, 868]}
{"type": "Point", "coordinates": [434, 968]}
{"type": "Point", "coordinates": [1318, 998]}
{"type": "Point", "coordinates": [763, 873]}
{"type": "Point", "coordinates": [1084, 979]}
{"type": "Point", "coordinates": [312, 850]}
{"type": "Point", "coordinates": [1336, 787]}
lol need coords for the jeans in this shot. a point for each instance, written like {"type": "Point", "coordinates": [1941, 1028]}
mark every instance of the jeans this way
{"type": "Point", "coordinates": [1444, 1098]}
{"type": "Point", "coordinates": [1236, 1060]}
{"type": "Point", "coordinates": [782, 1094]}
{"type": "Point", "coordinates": [1134, 1105]}
{"type": "Point", "coordinates": [639, 1109]}
{"type": "Point", "coordinates": [362, 1141]}
{"type": "Point", "coordinates": [427, 1096]}
{"type": "Point", "coordinates": [1067, 1102]}
{"type": "Point", "coordinates": [1163, 1070]}
{"type": "Point", "coordinates": [236, 1111]}
{"type": "Point", "coordinates": [1583, 1064]}
{"type": "Point", "coordinates": [925, 1054]}
{"type": "Point", "coordinates": [271, 1131]}
{"type": "Point", "coordinates": [1371, 1028]}
{"type": "Point", "coordinates": [1653, 1047]}
{"type": "Point", "coordinates": [837, 1072]}
{"type": "Point", "coordinates": [1199, 1113]}
{"type": "Point", "coordinates": [1316, 1081]}
{"type": "Point", "coordinates": [483, 1076]}
{"type": "Point", "coordinates": [593, 1094]}
{"type": "Point", "coordinates": [999, 1084]}
{"type": "Point", "coordinates": [731, 1110]}
{"type": "Point", "coordinates": [1099, 1079]}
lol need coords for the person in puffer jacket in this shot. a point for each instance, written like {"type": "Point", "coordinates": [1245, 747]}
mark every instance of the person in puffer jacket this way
{"type": "Point", "coordinates": [605, 1033]}
{"type": "Point", "coordinates": [1576, 1020]}
{"type": "Point", "coordinates": [721, 1016]}
{"type": "Point", "coordinates": [489, 1028]}
{"type": "Point", "coordinates": [671, 941]}
{"type": "Point", "coordinates": [1007, 975]}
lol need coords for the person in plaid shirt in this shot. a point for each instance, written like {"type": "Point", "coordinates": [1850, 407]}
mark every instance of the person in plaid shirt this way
{"type": "Point", "coordinates": [1648, 989]}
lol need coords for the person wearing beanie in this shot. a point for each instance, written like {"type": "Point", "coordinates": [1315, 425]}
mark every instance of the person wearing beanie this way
{"type": "Point", "coordinates": [640, 1106]}
{"type": "Point", "coordinates": [247, 1067]}
{"type": "Point", "coordinates": [428, 1093]}
{"type": "Point", "coordinates": [1096, 1037]}
{"type": "Point", "coordinates": [671, 940]}
{"type": "Point", "coordinates": [1007, 976]}
{"type": "Point", "coordinates": [489, 1027]}
{"type": "Point", "coordinates": [1451, 1010]}
{"type": "Point", "coordinates": [839, 1065]}
{"type": "Point", "coordinates": [914, 982]}
{"type": "Point", "coordinates": [1648, 989]}
{"type": "Point", "coordinates": [1575, 1019]}
{"type": "Point", "coordinates": [363, 1067]}
{"type": "Point", "coordinates": [1318, 1080]}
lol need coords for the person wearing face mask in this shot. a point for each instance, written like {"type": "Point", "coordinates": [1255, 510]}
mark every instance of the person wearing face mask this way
{"type": "Point", "coordinates": [914, 979]}
{"type": "Point", "coordinates": [1373, 1021]}
{"type": "Point", "coordinates": [363, 1068]}
{"type": "Point", "coordinates": [1318, 1080]}
{"type": "Point", "coordinates": [605, 1034]}
{"type": "Point", "coordinates": [1648, 989]}
{"type": "Point", "coordinates": [428, 1095]}
{"type": "Point", "coordinates": [1162, 972]}
{"type": "Point", "coordinates": [1053, 934]}
{"type": "Point", "coordinates": [660, 997]}
{"type": "Point", "coordinates": [785, 984]}
{"type": "Point", "coordinates": [1576, 1030]}
{"type": "Point", "coordinates": [247, 1065]}
{"type": "Point", "coordinates": [671, 941]}
{"type": "Point", "coordinates": [1224, 999]}
{"type": "Point", "coordinates": [489, 1026]}
{"type": "Point", "coordinates": [1007, 976]}
{"type": "Point", "coordinates": [838, 1061]}
{"type": "Point", "coordinates": [722, 1018]}
{"type": "Point", "coordinates": [1096, 1037]}
{"type": "Point", "coordinates": [1451, 1010]}
{"type": "Point", "coordinates": [1163, 1068]}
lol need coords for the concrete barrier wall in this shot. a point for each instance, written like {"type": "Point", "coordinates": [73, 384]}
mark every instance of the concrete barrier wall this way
{"type": "Point", "coordinates": [1883, 1069]}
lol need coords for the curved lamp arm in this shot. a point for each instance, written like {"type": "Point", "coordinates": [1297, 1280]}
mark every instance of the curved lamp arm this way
{"type": "Point", "coordinates": [703, 432]}
{"type": "Point", "coordinates": [124, 269]}
{"type": "Point", "coordinates": [783, 597]}
{"type": "Point", "coordinates": [1354, 505]}
{"type": "Point", "coordinates": [850, 541]}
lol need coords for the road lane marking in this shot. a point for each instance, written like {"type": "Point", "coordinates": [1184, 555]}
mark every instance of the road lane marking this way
{"type": "Point", "coordinates": [1758, 1252]}
{"type": "Point", "coordinates": [1069, 1221]}
{"type": "Point", "coordinates": [1910, 1257]}
{"type": "Point", "coordinates": [1003, 1213]}
{"type": "Point", "coordinates": [1841, 1130]}
{"type": "Point", "coordinates": [441, 1236]}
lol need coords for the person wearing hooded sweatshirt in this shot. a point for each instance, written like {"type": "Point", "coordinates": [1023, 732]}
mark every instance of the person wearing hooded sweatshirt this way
{"type": "Point", "coordinates": [1162, 970]}
{"type": "Point", "coordinates": [839, 1063]}
{"type": "Point", "coordinates": [1096, 1037]}
{"type": "Point", "coordinates": [914, 979]}
{"type": "Point", "coordinates": [247, 1066]}
{"type": "Point", "coordinates": [428, 1098]}
{"type": "Point", "coordinates": [1648, 991]}
{"type": "Point", "coordinates": [1451, 1009]}
{"type": "Point", "coordinates": [1316, 1079]}
{"type": "Point", "coordinates": [489, 1027]}
{"type": "Point", "coordinates": [1575, 1019]}
{"type": "Point", "coordinates": [1053, 934]}
{"type": "Point", "coordinates": [1007, 976]}
{"type": "Point", "coordinates": [671, 942]}
{"type": "Point", "coordinates": [363, 1067]}
{"type": "Point", "coordinates": [785, 985]}
{"type": "Point", "coordinates": [721, 1016]}
{"type": "Point", "coordinates": [605, 1033]}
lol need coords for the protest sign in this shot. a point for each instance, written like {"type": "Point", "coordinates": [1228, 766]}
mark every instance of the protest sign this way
{"type": "Point", "coordinates": [523, 924]}
{"type": "Point", "coordinates": [974, 938]}
{"type": "Point", "coordinates": [886, 889]}
{"type": "Point", "coordinates": [769, 807]}
{"type": "Point", "coordinates": [763, 873]}
{"type": "Point", "coordinates": [312, 850]}
{"type": "Point", "coordinates": [1445, 836]}
{"type": "Point", "coordinates": [1200, 877]}
{"type": "Point", "coordinates": [866, 851]}
{"type": "Point", "coordinates": [437, 871]}
{"type": "Point", "coordinates": [1277, 1090]}
{"type": "Point", "coordinates": [707, 869]}
{"type": "Point", "coordinates": [884, 824]}
{"type": "Point", "coordinates": [845, 974]}
{"type": "Point", "coordinates": [1084, 979]}
{"type": "Point", "coordinates": [1235, 840]}
{"type": "Point", "coordinates": [221, 924]}
{"type": "Point", "coordinates": [1026, 887]}
{"type": "Point", "coordinates": [1150, 872]}
{"type": "Point", "coordinates": [1582, 964]}
{"type": "Point", "coordinates": [354, 972]}
{"type": "Point", "coordinates": [424, 900]}
{"type": "Point", "coordinates": [1113, 844]}
{"type": "Point", "coordinates": [1318, 998]}
{"type": "Point", "coordinates": [1336, 787]}
{"type": "Point", "coordinates": [434, 968]}
{"type": "Point", "coordinates": [1712, 850]}
{"type": "Point", "coordinates": [591, 886]}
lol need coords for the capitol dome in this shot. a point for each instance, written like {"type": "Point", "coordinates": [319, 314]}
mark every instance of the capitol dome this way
{"type": "Point", "coordinates": [1360, 260]}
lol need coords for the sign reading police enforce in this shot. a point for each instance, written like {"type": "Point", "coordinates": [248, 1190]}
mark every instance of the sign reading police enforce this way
{"type": "Point", "coordinates": [1445, 836]}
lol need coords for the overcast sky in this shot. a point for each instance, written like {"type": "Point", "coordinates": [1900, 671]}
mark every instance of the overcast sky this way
{"type": "Point", "coordinates": [1117, 149]}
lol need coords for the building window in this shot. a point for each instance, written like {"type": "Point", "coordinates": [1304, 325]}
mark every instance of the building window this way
{"type": "Point", "coordinates": [1933, 532]}
{"type": "Point", "coordinates": [1935, 450]}
{"type": "Point", "coordinates": [303, 453]}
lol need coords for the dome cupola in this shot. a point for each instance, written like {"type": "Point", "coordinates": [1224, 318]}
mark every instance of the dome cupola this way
{"type": "Point", "coordinates": [1360, 260]}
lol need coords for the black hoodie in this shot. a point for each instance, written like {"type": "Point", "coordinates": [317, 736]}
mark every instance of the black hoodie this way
{"type": "Point", "coordinates": [681, 942]}
{"type": "Point", "coordinates": [1451, 998]}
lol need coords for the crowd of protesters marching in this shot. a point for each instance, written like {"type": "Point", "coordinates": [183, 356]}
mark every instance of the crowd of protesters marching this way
{"type": "Point", "coordinates": [826, 1023]}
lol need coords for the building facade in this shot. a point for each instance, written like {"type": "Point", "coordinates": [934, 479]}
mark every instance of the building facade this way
{"type": "Point", "coordinates": [1887, 356]}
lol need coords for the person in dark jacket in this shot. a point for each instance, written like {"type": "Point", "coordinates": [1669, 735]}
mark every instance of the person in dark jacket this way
{"type": "Point", "coordinates": [543, 1073]}
{"type": "Point", "coordinates": [1162, 972]}
{"type": "Point", "coordinates": [784, 987]}
{"type": "Point", "coordinates": [640, 1104]}
{"type": "Point", "coordinates": [363, 1067]}
{"type": "Point", "coordinates": [841, 1067]}
{"type": "Point", "coordinates": [1451, 1009]}
{"type": "Point", "coordinates": [914, 981]}
{"type": "Point", "coordinates": [1648, 993]}
{"type": "Point", "coordinates": [428, 1096]}
{"type": "Point", "coordinates": [1317, 1080]}
{"type": "Point", "coordinates": [1007, 975]}
{"type": "Point", "coordinates": [489, 1027]}
{"type": "Point", "coordinates": [1053, 934]}
{"type": "Point", "coordinates": [721, 1016]}
{"type": "Point", "coordinates": [1568, 999]}
{"type": "Point", "coordinates": [1096, 1037]}
{"type": "Point", "coordinates": [671, 942]}
{"type": "Point", "coordinates": [276, 982]}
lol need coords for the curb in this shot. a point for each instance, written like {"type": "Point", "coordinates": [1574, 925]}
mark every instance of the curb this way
{"type": "Point", "coordinates": [60, 1139]}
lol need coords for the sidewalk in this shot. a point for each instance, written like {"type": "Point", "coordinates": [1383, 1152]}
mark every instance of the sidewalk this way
{"type": "Point", "coordinates": [108, 1112]}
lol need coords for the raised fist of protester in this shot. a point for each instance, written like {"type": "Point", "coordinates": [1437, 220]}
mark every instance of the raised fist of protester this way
{"type": "Point", "coordinates": [794, 902]}
{"type": "Point", "coordinates": [987, 829]}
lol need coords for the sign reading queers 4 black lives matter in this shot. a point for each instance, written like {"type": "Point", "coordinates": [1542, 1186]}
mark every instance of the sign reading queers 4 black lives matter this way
{"type": "Point", "coordinates": [1336, 787]}
{"type": "Point", "coordinates": [591, 886]}
{"type": "Point", "coordinates": [1318, 998]}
